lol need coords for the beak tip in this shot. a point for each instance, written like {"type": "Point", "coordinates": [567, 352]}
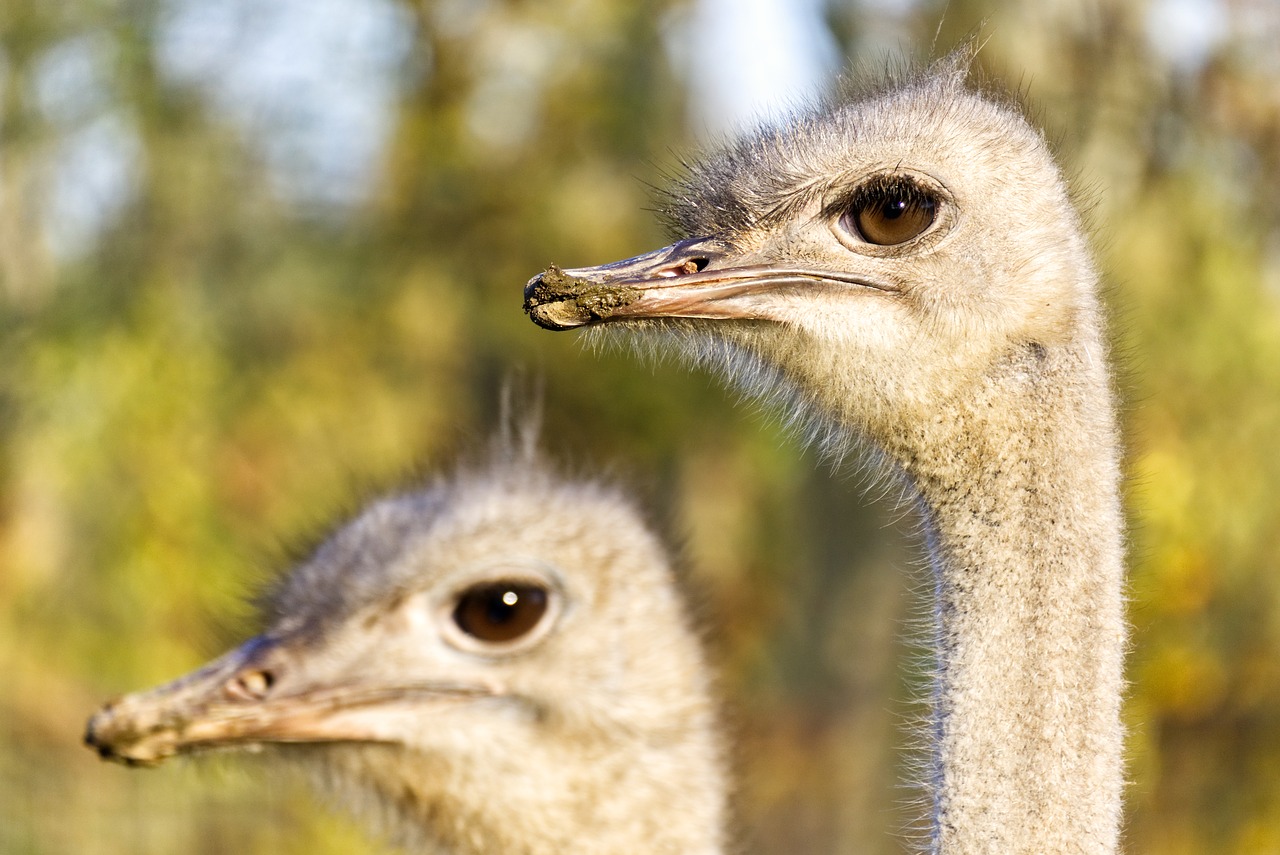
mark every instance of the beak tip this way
{"type": "Point", "coordinates": [120, 739]}
{"type": "Point", "coordinates": [555, 316]}
{"type": "Point", "coordinates": [93, 726]}
{"type": "Point", "coordinates": [550, 301]}
{"type": "Point", "coordinates": [531, 289]}
{"type": "Point", "coordinates": [96, 738]}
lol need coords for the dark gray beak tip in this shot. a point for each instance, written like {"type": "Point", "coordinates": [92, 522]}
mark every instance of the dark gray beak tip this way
{"type": "Point", "coordinates": [531, 289]}
{"type": "Point", "coordinates": [551, 300]}
{"type": "Point", "coordinates": [93, 738]}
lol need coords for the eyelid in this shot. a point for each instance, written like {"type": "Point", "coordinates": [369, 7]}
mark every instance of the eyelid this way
{"type": "Point", "coordinates": [947, 213]}
{"type": "Point", "coordinates": [523, 604]}
{"type": "Point", "coordinates": [518, 571]}
{"type": "Point", "coordinates": [877, 183]}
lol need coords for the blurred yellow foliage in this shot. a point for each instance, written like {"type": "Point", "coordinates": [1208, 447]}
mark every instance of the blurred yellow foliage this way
{"type": "Point", "coordinates": [222, 367]}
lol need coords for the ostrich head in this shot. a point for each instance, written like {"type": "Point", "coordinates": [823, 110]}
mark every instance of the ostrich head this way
{"type": "Point", "coordinates": [880, 254]}
{"type": "Point", "coordinates": [497, 664]}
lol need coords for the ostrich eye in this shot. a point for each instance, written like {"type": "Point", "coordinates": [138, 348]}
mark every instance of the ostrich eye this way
{"type": "Point", "coordinates": [496, 612]}
{"type": "Point", "coordinates": [890, 212]}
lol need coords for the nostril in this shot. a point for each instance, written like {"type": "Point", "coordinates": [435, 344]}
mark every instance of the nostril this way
{"type": "Point", "coordinates": [250, 685]}
{"type": "Point", "coordinates": [686, 267]}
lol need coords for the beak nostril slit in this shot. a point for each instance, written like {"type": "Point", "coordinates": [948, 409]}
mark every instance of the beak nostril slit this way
{"type": "Point", "coordinates": [250, 685]}
{"type": "Point", "coordinates": [684, 268]}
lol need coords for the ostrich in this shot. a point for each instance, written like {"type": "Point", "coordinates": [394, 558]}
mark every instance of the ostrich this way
{"type": "Point", "coordinates": [499, 663]}
{"type": "Point", "coordinates": [904, 269]}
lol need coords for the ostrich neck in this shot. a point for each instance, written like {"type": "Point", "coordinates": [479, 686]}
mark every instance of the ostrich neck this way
{"type": "Point", "coordinates": [1018, 484]}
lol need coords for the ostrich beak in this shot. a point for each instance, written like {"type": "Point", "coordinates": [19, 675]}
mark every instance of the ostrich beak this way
{"type": "Point", "coordinates": [260, 692]}
{"type": "Point", "coordinates": [695, 278]}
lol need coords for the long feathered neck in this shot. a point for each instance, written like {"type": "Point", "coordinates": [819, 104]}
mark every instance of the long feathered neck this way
{"type": "Point", "coordinates": [1017, 477]}
{"type": "Point", "coordinates": [1020, 493]}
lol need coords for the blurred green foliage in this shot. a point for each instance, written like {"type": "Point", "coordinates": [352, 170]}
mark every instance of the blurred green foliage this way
{"type": "Point", "coordinates": [224, 365]}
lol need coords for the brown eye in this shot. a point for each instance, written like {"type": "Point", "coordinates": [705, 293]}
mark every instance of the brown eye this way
{"type": "Point", "coordinates": [500, 611]}
{"type": "Point", "coordinates": [890, 213]}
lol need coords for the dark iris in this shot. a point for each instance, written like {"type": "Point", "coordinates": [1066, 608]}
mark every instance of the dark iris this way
{"type": "Point", "coordinates": [889, 212]}
{"type": "Point", "coordinates": [500, 611]}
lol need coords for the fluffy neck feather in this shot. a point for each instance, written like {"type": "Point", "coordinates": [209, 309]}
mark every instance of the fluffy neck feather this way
{"type": "Point", "coordinates": [1017, 478]}
{"type": "Point", "coordinates": [1019, 487]}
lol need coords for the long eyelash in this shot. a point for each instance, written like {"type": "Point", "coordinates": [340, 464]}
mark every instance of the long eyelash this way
{"type": "Point", "coordinates": [888, 187]}
{"type": "Point", "coordinates": [877, 188]}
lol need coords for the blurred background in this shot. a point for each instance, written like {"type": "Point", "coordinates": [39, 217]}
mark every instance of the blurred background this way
{"type": "Point", "coordinates": [259, 257]}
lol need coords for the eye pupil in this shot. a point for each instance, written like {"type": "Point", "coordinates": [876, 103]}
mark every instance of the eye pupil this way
{"type": "Point", "coordinates": [893, 209]}
{"type": "Point", "coordinates": [500, 611]}
{"type": "Point", "coordinates": [890, 213]}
